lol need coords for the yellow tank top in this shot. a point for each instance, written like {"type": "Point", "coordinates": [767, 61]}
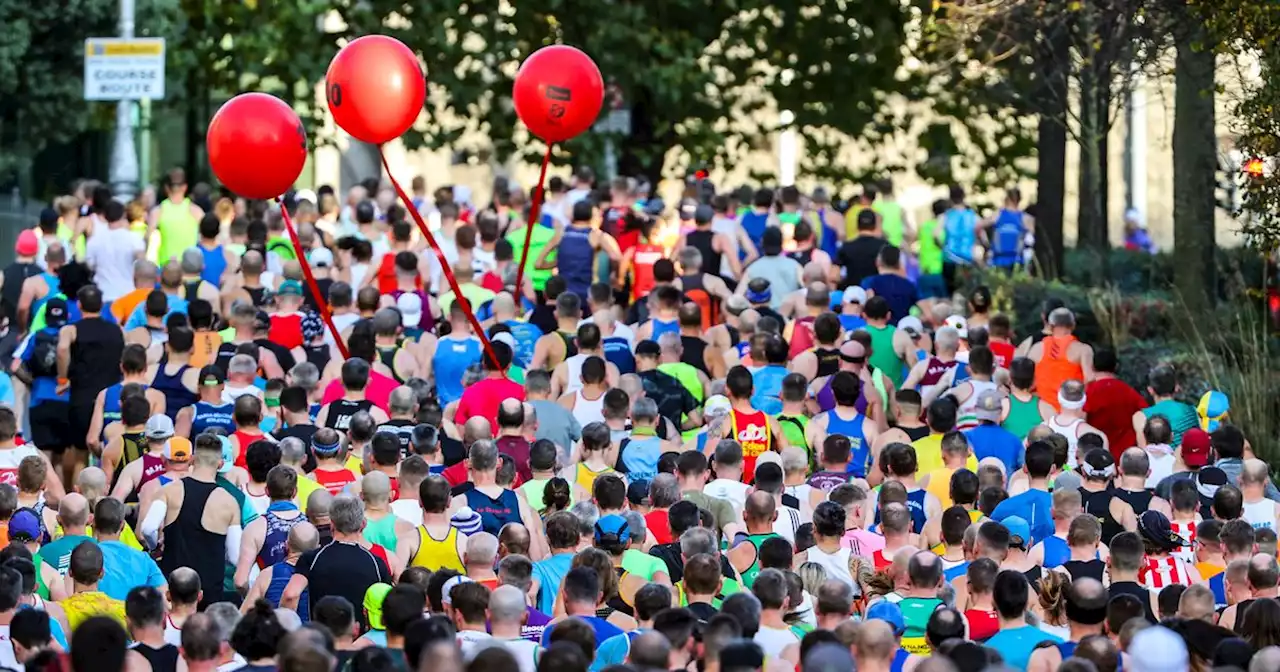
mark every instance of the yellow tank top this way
{"type": "Point", "coordinates": [940, 485]}
{"type": "Point", "coordinates": [587, 478]}
{"type": "Point", "coordinates": [435, 555]}
{"type": "Point", "coordinates": [177, 227]}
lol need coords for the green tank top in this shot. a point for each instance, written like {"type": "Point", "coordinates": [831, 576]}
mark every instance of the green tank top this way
{"type": "Point", "coordinates": [727, 587]}
{"type": "Point", "coordinates": [541, 236]}
{"type": "Point", "coordinates": [43, 590]}
{"type": "Point", "coordinates": [915, 614]}
{"type": "Point", "coordinates": [1181, 417]}
{"type": "Point", "coordinates": [930, 250]}
{"type": "Point", "coordinates": [382, 532]}
{"type": "Point", "coordinates": [883, 356]}
{"type": "Point", "coordinates": [890, 220]}
{"type": "Point", "coordinates": [1023, 416]}
{"type": "Point", "coordinates": [238, 249]}
{"type": "Point", "coordinates": [793, 427]}
{"type": "Point", "coordinates": [177, 229]}
{"type": "Point", "coordinates": [749, 576]}
{"type": "Point", "coordinates": [283, 247]}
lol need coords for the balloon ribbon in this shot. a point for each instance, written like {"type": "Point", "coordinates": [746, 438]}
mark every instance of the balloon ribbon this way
{"type": "Point", "coordinates": [534, 211]}
{"type": "Point", "coordinates": [321, 303]}
{"type": "Point", "coordinates": [444, 263]}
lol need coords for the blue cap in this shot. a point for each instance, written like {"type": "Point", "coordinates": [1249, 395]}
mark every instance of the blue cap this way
{"type": "Point", "coordinates": [467, 521]}
{"type": "Point", "coordinates": [612, 527]}
{"type": "Point", "coordinates": [1020, 528]}
{"type": "Point", "coordinates": [24, 526]}
{"type": "Point", "coordinates": [890, 613]}
{"type": "Point", "coordinates": [759, 297]}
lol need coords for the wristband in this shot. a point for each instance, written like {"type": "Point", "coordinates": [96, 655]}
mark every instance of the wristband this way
{"type": "Point", "coordinates": [64, 381]}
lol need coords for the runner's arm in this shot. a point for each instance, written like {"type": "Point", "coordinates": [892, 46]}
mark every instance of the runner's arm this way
{"type": "Point", "coordinates": [542, 263]}
{"type": "Point", "coordinates": [293, 591]}
{"type": "Point", "coordinates": [257, 590]}
{"type": "Point", "coordinates": [250, 545]}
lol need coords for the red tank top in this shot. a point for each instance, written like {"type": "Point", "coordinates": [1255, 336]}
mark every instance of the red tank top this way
{"type": "Point", "coordinates": [286, 329]}
{"type": "Point", "coordinates": [387, 275]}
{"type": "Point", "coordinates": [1161, 572]}
{"type": "Point", "coordinates": [801, 336]}
{"type": "Point", "coordinates": [1003, 353]}
{"type": "Point", "coordinates": [245, 439]}
{"type": "Point", "coordinates": [935, 371]}
{"type": "Point", "coordinates": [751, 430]}
{"type": "Point", "coordinates": [646, 255]}
{"type": "Point", "coordinates": [333, 481]}
{"type": "Point", "coordinates": [880, 561]}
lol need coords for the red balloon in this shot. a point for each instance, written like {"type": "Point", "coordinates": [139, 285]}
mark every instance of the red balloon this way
{"type": "Point", "coordinates": [558, 92]}
{"type": "Point", "coordinates": [375, 88]}
{"type": "Point", "coordinates": [257, 145]}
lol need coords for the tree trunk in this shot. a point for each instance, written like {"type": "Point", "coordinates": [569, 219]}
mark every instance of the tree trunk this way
{"type": "Point", "coordinates": [644, 152]}
{"type": "Point", "coordinates": [1051, 176]}
{"type": "Point", "coordinates": [1194, 164]}
{"type": "Point", "coordinates": [1091, 231]}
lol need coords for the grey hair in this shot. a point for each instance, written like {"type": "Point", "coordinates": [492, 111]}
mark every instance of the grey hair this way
{"type": "Point", "coordinates": [698, 540]}
{"type": "Point", "coordinates": [946, 338]}
{"type": "Point", "coordinates": [192, 261]}
{"type": "Point", "coordinates": [690, 258]}
{"type": "Point", "coordinates": [346, 514]}
{"type": "Point", "coordinates": [664, 490]}
{"type": "Point", "coordinates": [225, 617]}
{"type": "Point", "coordinates": [146, 270]}
{"type": "Point", "coordinates": [482, 548]}
{"type": "Point", "coordinates": [242, 365]}
{"type": "Point", "coordinates": [644, 409]}
{"type": "Point", "coordinates": [636, 525]}
{"type": "Point", "coordinates": [587, 514]}
{"type": "Point", "coordinates": [670, 343]}
{"type": "Point", "coordinates": [402, 400]}
{"type": "Point", "coordinates": [794, 460]}
{"type": "Point", "coordinates": [293, 451]}
{"type": "Point", "coordinates": [1062, 317]}
{"type": "Point", "coordinates": [483, 455]}
{"type": "Point", "coordinates": [305, 375]}
{"type": "Point", "coordinates": [506, 605]}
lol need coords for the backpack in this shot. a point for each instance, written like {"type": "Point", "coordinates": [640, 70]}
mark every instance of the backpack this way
{"type": "Point", "coordinates": [44, 354]}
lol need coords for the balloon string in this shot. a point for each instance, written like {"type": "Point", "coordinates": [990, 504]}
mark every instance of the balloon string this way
{"type": "Point", "coordinates": [321, 304]}
{"type": "Point", "coordinates": [534, 211]}
{"type": "Point", "coordinates": [444, 263]}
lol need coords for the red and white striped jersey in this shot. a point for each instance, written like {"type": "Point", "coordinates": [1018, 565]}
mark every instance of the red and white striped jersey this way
{"type": "Point", "coordinates": [1187, 530]}
{"type": "Point", "coordinates": [1161, 572]}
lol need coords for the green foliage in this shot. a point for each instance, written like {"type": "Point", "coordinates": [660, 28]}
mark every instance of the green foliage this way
{"type": "Point", "coordinates": [41, 73]}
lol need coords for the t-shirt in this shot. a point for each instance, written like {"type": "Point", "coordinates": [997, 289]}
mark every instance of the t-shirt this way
{"type": "Point", "coordinates": [998, 442]}
{"type": "Point", "coordinates": [484, 397]}
{"type": "Point", "coordinates": [1015, 645]}
{"type": "Point", "coordinates": [1110, 404]}
{"type": "Point", "coordinates": [111, 255]}
{"type": "Point", "coordinates": [550, 573]}
{"type": "Point", "coordinates": [83, 606]}
{"type": "Point", "coordinates": [783, 274]}
{"type": "Point", "coordinates": [734, 492]}
{"type": "Point", "coordinates": [378, 390]}
{"type": "Point", "coordinates": [343, 569]}
{"type": "Point", "coordinates": [475, 295]}
{"type": "Point", "coordinates": [125, 568]}
{"type": "Point", "coordinates": [603, 629]}
{"type": "Point", "coordinates": [929, 455]}
{"type": "Point", "coordinates": [858, 259]}
{"type": "Point", "coordinates": [773, 641]}
{"type": "Point", "coordinates": [672, 397]}
{"type": "Point", "coordinates": [556, 425]}
{"type": "Point", "coordinates": [1033, 506]}
{"type": "Point", "coordinates": [721, 510]}
{"type": "Point", "coordinates": [899, 292]}
{"type": "Point", "coordinates": [642, 564]}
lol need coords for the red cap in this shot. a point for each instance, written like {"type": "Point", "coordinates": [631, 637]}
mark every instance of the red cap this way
{"type": "Point", "coordinates": [1195, 448]}
{"type": "Point", "coordinates": [28, 244]}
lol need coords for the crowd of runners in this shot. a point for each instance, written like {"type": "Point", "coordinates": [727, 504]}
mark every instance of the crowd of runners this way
{"type": "Point", "coordinates": [742, 431]}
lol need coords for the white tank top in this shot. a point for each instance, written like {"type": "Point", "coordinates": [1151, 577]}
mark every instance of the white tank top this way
{"type": "Point", "coordinates": [836, 564]}
{"type": "Point", "coordinates": [10, 458]}
{"type": "Point", "coordinates": [1070, 432]}
{"type": "Point", "coordinates": [801, 493]}
{"type": "Point", "coordinates": [587, 411]}
{"type": "Point", "coordinates": [1260, 514]}
{"type": "Point", "coordinates": [965, 414]}
{"type": "Point", "coordinates": [574, 377]}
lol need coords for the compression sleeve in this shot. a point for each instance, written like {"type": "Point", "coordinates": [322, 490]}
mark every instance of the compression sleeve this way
{"type": "Point", "coordinates": [233, 543]}
{"type": "Point", "coordinates": [150, 527]}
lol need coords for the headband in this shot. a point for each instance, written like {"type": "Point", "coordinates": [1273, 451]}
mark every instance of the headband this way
{"type": "Point", "coordinates": [1094, 472]}
{"type": "Point", "coordinates": [1072, 405]}
{"type": "Point", "coordinates": [326, 447]}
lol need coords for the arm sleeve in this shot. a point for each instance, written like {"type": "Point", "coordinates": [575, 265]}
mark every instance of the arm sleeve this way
{"type": "Point", "coordinates": [150, 527]}
{"type": "Point", "coordinates": [233, 543]}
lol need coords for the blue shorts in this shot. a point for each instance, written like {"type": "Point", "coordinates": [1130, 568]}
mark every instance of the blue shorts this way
{"type": "Point", "coordinates": [931, 287]}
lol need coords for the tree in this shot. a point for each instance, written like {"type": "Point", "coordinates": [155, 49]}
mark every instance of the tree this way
{"type": "Point", "coordinates": [41, 74]}
{"type": "Point", "coordinates": [706, 77]}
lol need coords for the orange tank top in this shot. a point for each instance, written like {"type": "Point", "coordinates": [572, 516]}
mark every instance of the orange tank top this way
{"type": "Point", "coordinates": [1054, 368]}
{"type": "Point", "coordinates": [751, 430]}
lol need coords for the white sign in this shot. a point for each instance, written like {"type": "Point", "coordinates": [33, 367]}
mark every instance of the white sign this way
{"type": "Point", "coordinates": [617, 121]}
{"type": "Point", "coordinates": [124, 69]}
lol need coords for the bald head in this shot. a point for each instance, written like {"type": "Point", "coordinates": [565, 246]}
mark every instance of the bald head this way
{"type": "Point", "coordinates": [1197, 603]}
{"type": "Point", "coordinates": [504, 305]}
{"type": "Point", "coordinates": [318, 504]}
{"type": "Point", "coordinates": [761, 507]}
{"type": "Point", "coordinates": [303, 537]}
{"type": "Point", "coordinates": [876, 641]}
{"type": "Point", "coordinates": [92, 483]}
{"type": "Point", "coordinates": [475, 429]}
{"type": "Point", "coordinates": [73, 510]}
{"type": "Point", "coordinates": [375, 488]}
{"type": "Point", "coordinates": [506, 605]}
{"type": "Point", "coordinates": [513, 539]}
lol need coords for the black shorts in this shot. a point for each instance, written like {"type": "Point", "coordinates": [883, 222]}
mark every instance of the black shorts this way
{"type": "Point", "coordinates": [51, 426]}
{"type": "Point", "coordinates": [81, 416]}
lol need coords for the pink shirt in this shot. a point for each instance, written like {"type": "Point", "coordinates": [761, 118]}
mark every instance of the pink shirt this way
{"type": "Point", "coordinates": [484, 397]}
{"type": "Point", "coordinates": [862, 542]}
{"type": "Point", "coordinates": [377, 391]}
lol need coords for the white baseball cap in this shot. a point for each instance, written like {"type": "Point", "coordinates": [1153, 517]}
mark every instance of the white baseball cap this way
{"type": "Point", "coordinates": [911, 325]}
{"type": "Point", "coordinates": [320, 257]}
{"type": "Point", "coordinates": [958, 323]}
{"type": "Point", "coordinates": [855, 295]}
{"type": "Point", "coordinates": [717, 405]}
{"type": "Point", "coordinates": [410, 306]}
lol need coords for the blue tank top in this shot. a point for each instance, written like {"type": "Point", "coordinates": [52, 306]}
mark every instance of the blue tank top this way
{"type": "Point", "coordinates": [915, 504]}
{"type": "Point", "coordinates": [899, 659]}
{"type": "Point", "coordinates": [961, 234]}
{"type": "Point", "coordinates": [280, 575]}
{"type": "Point", "coordinates": [450, 363]}
{"type": "Point", "coordinates": [1217, 583]}
{"type": "Point", "coordinates": [209, 415]}
{"type": "Point", "coordinates": [830, 244]}
{"type": "Point", "coordinates": [275, 541]}
{"type": "Point", "coordinates": [859, 447]}
{"type": "Point", "coordinates": [955, 572]}
{"type": "Point", "coordinates": [494, 513]}
{"type": "Point", "coordinates": [661, 327]}
{"type": "Point", "coordinates": [55, 285]}
{"type": "Point", "coordinates": [176, 395]}
{"type": "Point", "coordinates": [767, 381]}
{"type": "Point", "coordinates": [1056, 551]}
{"type": "Point", "coordinates": [526, 336]}
{"type": "Point", "coordinates": [111, 404]}
{"type": "Point", "coordinates": [638, 457]}
{"type": "Point", "coordinates": [215, 262]}
{"type": "Point", "coordinates": [617, 352]}
{"type": "Point", "coordinates": [1006, 235]}
{"type": "Point", "coordinates": [754, 224]}
{"type": "Point", "coordinates": [573, 259]}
